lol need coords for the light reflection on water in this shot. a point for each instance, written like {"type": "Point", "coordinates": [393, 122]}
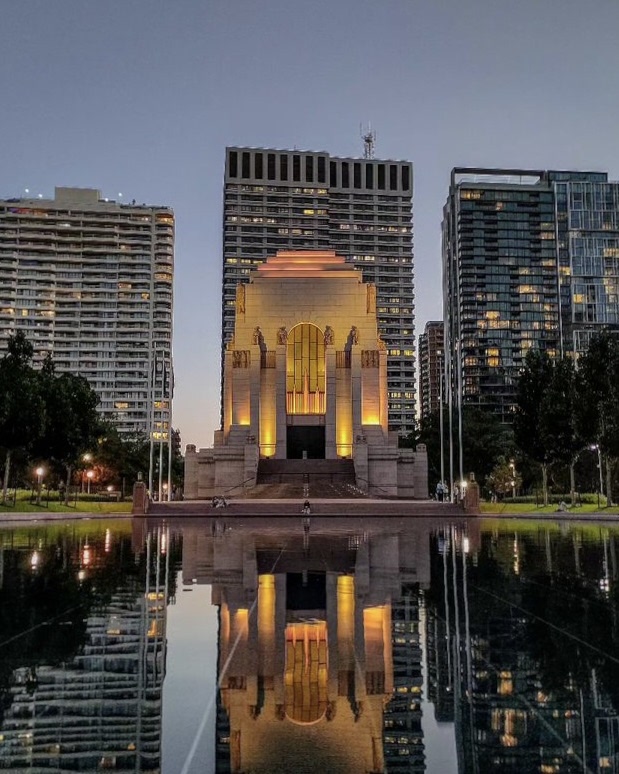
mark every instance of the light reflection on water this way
{"type": "Point", "coordinates": [373, 645]}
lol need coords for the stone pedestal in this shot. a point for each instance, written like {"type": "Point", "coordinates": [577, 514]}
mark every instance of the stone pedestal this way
{"type": "Point", "coordinates": [139, 506]}
{"type": "Point", "coordinates": [471, 497]}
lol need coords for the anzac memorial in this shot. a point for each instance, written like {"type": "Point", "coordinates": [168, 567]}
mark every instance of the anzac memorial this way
{"type": "Point", "coordinates": [305, 387]}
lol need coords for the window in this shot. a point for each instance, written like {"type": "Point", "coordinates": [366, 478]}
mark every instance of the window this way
{"type": "Point", "coordinates": [393, 177]}
{"type": "Point", "coordinates": [245, 165]}
{"type": "Point", "coordinates": [381, 177]}
{"type": "Point", "coordinates": [321, 169]}
{"type": "Point", "coordinates": [345, 176]}
{"type": "Point", "coordinates": [258, 165]}
{"type": "Point", "coordinates": [296, 168]}
{"type": "Point", "coordinates": [357, 174]}
{"type": "Point", "coordinates": [232, 164]}
{"type": "Point", "coordinates": [309, 169]}
{"type": "Point", "coordinates": [305, 370]}
{"type": "Point", "coordinates": [406, 178]}
{"type": "Point", "coordinates": [283, 166]}
{"type": "Point", "coordinates": [369, 176]}
{"type": "Point", "coordinates": [333, 174]}
{"type": "Point", "coordinates": [271, 166]}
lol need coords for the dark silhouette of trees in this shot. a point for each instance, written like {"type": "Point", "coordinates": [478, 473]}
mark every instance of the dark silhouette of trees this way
{"type": "Point", "coordinates": [22, 406]}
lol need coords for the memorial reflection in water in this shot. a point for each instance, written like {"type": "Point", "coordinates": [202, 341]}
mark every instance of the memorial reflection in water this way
{"type": "Point", "coordinates": [376, 645]}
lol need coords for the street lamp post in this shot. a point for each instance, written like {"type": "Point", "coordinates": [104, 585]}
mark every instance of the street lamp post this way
{"type": "Point", "coordinates": [512, 466]}
{"type": "Point", "coordinates": [85, 458]}
{"type": "Point", "coordinates": [601, 489]}
{"type": "Point", "coordinates": [39, 472]}
{"type": "Point", "coordinates": [89, 476]}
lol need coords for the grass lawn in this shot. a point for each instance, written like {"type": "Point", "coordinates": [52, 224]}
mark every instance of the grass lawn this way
{"type": "Point", "coordinates": [81, 506]}
{"type": "Point", "coordinates": [531, 508]}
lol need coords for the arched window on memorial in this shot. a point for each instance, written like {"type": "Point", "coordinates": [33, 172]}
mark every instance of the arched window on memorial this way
{"type": "Point", "coordinates": [305, 370]}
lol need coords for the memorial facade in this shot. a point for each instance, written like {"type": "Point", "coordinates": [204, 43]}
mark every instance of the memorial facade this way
{"type": "Point", "coordinates": [305, 377]}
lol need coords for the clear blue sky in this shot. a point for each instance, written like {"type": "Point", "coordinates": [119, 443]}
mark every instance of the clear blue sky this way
{"type": "Point", "coordinates": [142, 96]}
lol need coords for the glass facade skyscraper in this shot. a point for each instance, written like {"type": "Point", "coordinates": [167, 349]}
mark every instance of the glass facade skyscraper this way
{"type": "Point", "coordinates": [530, 259]}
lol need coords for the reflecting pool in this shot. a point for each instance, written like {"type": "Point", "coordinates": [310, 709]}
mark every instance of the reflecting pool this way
{"type": "Point", "coordinates": [343, 646]}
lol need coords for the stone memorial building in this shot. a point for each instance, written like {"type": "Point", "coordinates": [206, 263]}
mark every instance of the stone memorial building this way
{"type": "Point", "coordinates": [305, 378]}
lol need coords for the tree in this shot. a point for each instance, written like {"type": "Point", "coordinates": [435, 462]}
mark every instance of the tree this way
{"type": "Point", "coordinates": [485, 439]}
{"type": "Point", "coordinates": [558, 418]}
{"type": "Point", "coordinates": [528, 427]}
{"type": "Point", "coordinates": [598, 405]}
{"type": "Point", "coordinates": [72, 424]}
{"type": "Point", "coordinates": [122, 457]}
{"type": "Point", "coordinates": [503, 478]}
{"type": "Point", "coordinates": [21, 408]}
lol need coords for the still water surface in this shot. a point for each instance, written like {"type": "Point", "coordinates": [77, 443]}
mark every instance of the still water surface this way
{"type": "Point", "coordinates": [339, 646]}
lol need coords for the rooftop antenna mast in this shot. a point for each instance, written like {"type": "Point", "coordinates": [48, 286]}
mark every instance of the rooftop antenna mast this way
{"type": "Point", "coordinates": [369, 141]}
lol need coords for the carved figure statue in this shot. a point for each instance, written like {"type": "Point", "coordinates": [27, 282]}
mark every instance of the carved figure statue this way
{"type": "Point", "coordinates": [240, 299]}
{"type": "Point", "coordinates": [240, 358]}
{"type": "Point", "coordinates": [257, 337]}
{"type": "Point", "coordinates": [380, 343]}
{"type": "Point", "coordinates": [354, 334]}
{"type": "Point", "coordinates": [328, 335]}
{"type": "Point", "coordinates": [282, 335]}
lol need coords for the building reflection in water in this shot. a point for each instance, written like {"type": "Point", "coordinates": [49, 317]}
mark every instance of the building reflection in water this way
{"type": "Point", "coordinates": [319, 647]}
{"type": "Point", "coordinates": [325, 628]}
{"type": "Point", "coordinates": [522, 643]}
{"type": "Point", "coordinates": [93, 702]}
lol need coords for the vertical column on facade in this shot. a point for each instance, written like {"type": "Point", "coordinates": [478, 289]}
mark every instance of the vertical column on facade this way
{"type": "Point", "coordinates": [331, 398]}
{"type": "Point", "coordinates": [250, 587]}
{"type": "Point", "coordinates": [346, 633]}
{"type": "Point", "coordinates": [362, 588]}
{"type": "Point", "coordinates": [383, 390]}
{"type": "Point", "coordinates": [254, 394]}
{"type": "Point", "coordinates": [280, 401]}
{"type": "Point", "coordinates": [388, 645]}
{"type": "Point", "coordinates": [252, 650]}
{"type": "Point", "coordinates": [266, 625]}
{"type": "Point", "coordinates": [355, 378]}
{"type": "Point", "coordinates": [332, 637]}
{"type": "Point", "coordinates": [343, 408]}
{"type": "Point", "coordinates": [279, 659]}
{"type": "Point", "coordinates": [228, 392]}
{"type": "Point", "coordinates": [267, 419]}
{"type": "Point", "coordinates": [370, 386]}
{"type": "Point", "coordinates": [240, 385]}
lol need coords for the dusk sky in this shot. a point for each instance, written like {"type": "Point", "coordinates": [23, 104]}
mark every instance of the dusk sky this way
{"type": "Point", "coordinates": [142, 96]}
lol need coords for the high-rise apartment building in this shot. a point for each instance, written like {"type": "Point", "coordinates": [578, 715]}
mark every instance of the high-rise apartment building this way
{"type": "Point", "coordinates": [361, 208]}
{"type": "Point", "coordinates": [530, 259]}
{"type": "Point", "coordinates": [431, 365]}
{"type": "Point", "coordinates": [90, 281]}
{"type": "Point", "coordinates": [587, 208]}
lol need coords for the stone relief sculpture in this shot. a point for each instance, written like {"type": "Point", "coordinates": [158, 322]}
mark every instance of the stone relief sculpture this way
{"type": "Point", "coordinates": [329, 336]}
{"type": "Point", "coordinates": [240, 358]}
{"type": "Point", "coordinates": [370, 358]}
{"type": "Point", "coordinates": [380, 343]}
{"type": "Point", "coordinates": [371, 298]}
{"type": "Point", "coordinates": [282, 335]}
{"type": "Point", "coordinates": [240, 299]}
